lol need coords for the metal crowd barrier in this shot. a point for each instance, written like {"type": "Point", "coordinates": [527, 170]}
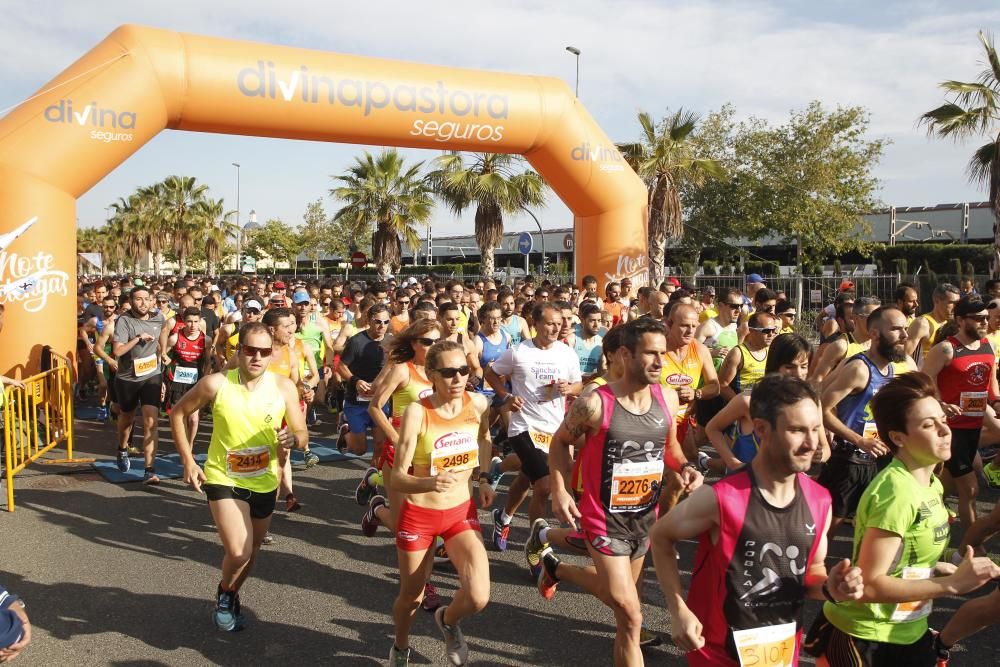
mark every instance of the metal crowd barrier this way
{"type": "Point", "coordinates": [36, 419]}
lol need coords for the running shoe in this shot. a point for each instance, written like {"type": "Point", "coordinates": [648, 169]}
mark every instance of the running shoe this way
{"type": "Point", "coordinates": [534, 547]}
{"type": "Point", "coordinates": [991, 472]}
{"type": "Point", "coordinates": [495, 473]}
{"type": "Point", "coordinates": [238, 611]}
{"type": "Point", "coordinates": [225, 612]}
{"type": "Point", "coordinates": [311, 459]}
{"type": "Point", "coordinates": [124, 462]}
{"type": "Point", "coordinates": [268, 539]}
{"type": "Point", "coordinates": [441, 554]}
{"type": "Point", "coordinates": [102, 414]}
{"type": "Point", "coordinates": [311, 418]}
{"type": "Point", "coordinates": [370, 521]}
{"type": "Point", "coordinates": [454, 641]}
{"type": "Point", "coordinates": [648, 638]}
{"type": "Point", "coordinates": [149, 477]}
{"type": "Point", "coordinates": [500, 531]}
{"type": "Point", "coordinates": [399, 657]}
{"type": "Point", "coordinates": [342, 438]}
{"type": "Point", "coordinates": [365, 489]}
{"type": "Point", "coordinates": [702, 463]}
{"type": "Point", "coordinates": [546, 582]}
{"type": "Point", "coordinates": [291, 504]}
{"type": "Point", "coordinates": [431, 600]}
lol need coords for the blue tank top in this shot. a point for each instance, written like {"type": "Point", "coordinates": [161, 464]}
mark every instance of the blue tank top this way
{"type": "Point", "coordinates": [491, 352]}
{"type": "Point", "coordinates": [855, 410]}
{"type": "Point", "coordinates": [745, 445]}
{"type": "Point", "coordinates": [513, 329]}
{"type": "Point", "coordinates": [589, 359]}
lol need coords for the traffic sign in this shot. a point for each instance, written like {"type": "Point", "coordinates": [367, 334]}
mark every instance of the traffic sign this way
{"type": "Point", "coordinates": [358, 260]}
{"type": "Point", "coordinates": [524, 243]}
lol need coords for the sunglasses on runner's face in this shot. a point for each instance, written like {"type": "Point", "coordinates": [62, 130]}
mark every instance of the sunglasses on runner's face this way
{"type": "Point", "coordinates": [448, 372]}
{"type": "Point", "coordinates": [250, 351]}
{"type": "Point", "coordinates": [734, 305]}
{"type": "Point", "coordinates": [426, 342]}
{"type": "Point", "coordinates": [380, 323]}
{"type": "Point", "coordinates": [252, 311]}
{"type": "Point", "coordinates": [767, 331]}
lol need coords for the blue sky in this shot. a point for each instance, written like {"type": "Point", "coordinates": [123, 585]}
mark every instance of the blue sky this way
{"type": "Point", "coordinates": [766, 58]}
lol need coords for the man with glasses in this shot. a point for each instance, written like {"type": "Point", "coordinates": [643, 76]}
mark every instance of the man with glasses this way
{"type": "Point", "coordinates": [785, 310]}
{"type": "Point", "coordinates": [744, 366]}
{"type": "Point", "coordinates": [107, 365]}
{"type": "Point", "coordinates": [964, 368]}
{"type": "Point", "coordinates": [360, 363]}
{"type": "Point", "coordinates": [922, 330]}
{"type": "Point", "coordinates": [240, 478]}
{"type": "Point", "coordinates": [309, 330]}
{"type": "Point", "coordinates": [139, 381]}
{"type": "Point", "coordinates": [401, 311]}
{"type": "Point", "coordinates": [229, 334]}
{"type": "Point", "coordinates": [849, 341]}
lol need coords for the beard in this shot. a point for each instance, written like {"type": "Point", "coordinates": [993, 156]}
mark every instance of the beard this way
{"type": "Point", "coordinates": [892, 351]}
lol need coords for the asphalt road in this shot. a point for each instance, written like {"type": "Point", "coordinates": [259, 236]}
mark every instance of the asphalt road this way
{"type": "Point", "coordinates": [125, 575]}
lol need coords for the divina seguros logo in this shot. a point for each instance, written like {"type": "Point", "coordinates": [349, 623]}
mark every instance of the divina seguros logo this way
{"type": "Point", "coordinates": [608, 156]}
{"type": "Point", "coordinates": [102, 120]}
{"type": "Point", "coordinates": [300, 85]}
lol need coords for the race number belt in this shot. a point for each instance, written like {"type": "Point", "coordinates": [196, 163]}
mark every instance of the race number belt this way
{"type": "Point", "coordinates": [249, 462]}
{"type": "Point", "coordinates": [144, 366]}
{"type": "Point", "coordinates": [634, 485]}
{"type": "Point", "coordinates": [455, 452]}
{"type": "Point", "coordinates": [766, 646]}
{"type": "Point", "coordinates": [185, 375]}
{"type": "Point", "coordinates": [540, 440]}
{"type": "Point", "coordinates": [973, 403]}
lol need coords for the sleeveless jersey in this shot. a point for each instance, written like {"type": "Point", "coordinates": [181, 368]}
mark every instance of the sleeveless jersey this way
{"type": "Point", "coordinates": [855, 411]}
{"type": "Point", "coordinates": [621, 467]}
{"type": "Point", "coordinates": [686, 373]}
{"type": "Point", "coordinates": [491, 352]}
{"type": "Point", "coordinates": [590, 358]}
{"type": "Point", "coordinates": [243, 451]}
{"type": "Point", "coordinates": [754, 576]}
{"type": "Point", "coordinates": [285, 359]}
{"type": "Point", "coordinates": [448, 444]}
{"type": "Point", "coordinates": [726, 337]}
{"type": "Point", "coordinates": [513, 329]}
{"type": "Point", "coordinates": [745, 445]}
{"type": "Point", "coordinates": [233, 342]}
{"type": "Point", "coordinates": [417, 388]}
{"type": "Point", "coordinates": [186, 354]}
{"type": "Point", "coordinates": [751, 370]}
{"type": "Point", "coordinates": [925, 345]}
{"type": "Point", "coordinates": [615, 308]}
{"type": "Point", "coordinates": [965, 382]}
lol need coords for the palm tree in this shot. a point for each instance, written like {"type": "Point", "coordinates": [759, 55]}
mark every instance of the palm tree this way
{"type": "Point", "coordinates": [384, 193]}
{"type": "Point", "coordinates": [216, 229]}
{"type": "Point", "coordinates": [154, 226]}
{"type": "Point", "coordinates": [129, 224]}
{"type": "Point", "coordinates": [179, 197]}
{"type": "Point", "coordinates": [664, 157]}
{"type": "Point", "coordinates": [974, 110]}
{"type": "Point", "coordinates": [497, 184]}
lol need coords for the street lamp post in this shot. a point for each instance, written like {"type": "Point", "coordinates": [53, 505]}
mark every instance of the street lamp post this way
{"type": "Point", "coordinates": [576, 52]}
{"type": "Point", "coordinates": [541, 234]}
{"type": "Point", "coordinates": [239, 228]}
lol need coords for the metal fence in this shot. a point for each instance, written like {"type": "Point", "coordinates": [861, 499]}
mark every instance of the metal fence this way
{"type": "Point", "coordinates": [817, 291]}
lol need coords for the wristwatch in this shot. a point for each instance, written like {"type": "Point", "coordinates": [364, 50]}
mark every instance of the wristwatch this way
{"type": "Point", "coordinates": [693, 466]}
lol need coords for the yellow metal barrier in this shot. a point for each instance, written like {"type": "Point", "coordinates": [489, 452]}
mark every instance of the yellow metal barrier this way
{"type": "Point", "coordinates": [36, 419]}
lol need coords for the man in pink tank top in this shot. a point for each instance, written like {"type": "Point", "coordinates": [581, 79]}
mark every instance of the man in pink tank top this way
{"type": "Point", "coordinates": [762, 542]}
{"type": "Point", "coordinates": [631, 438]}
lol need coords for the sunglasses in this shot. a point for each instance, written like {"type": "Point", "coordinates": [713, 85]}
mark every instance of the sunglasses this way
{"type": "Point", "coordinates": [251, 351]}
{"type": "Point", "coordinates": [404, 302]}
{"type": "Point", "coordinates": [426, 342]}
{"type": "Point", "coordinates": [252, 311]}
{"type": "Point", "coordinates": [380, 323]}
{"type": "Point", "coordinates": [767, 331]}
{"type": "Point", "coordinates": [162, 301]}
{"type": "Point", "coordinates": [448, 373]}
{"type": "Point", "coordinates": [734, 305]}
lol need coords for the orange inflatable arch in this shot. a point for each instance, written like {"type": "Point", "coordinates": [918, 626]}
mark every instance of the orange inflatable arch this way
{"type": "Point", "coordinates": [64, 139]}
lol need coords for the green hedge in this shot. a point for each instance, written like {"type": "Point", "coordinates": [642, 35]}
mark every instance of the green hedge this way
{"type": "Point", "coordinates": [940, 257]}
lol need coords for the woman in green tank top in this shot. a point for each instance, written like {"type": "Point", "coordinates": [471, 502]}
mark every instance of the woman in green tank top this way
{"type": "Point", "coordinates": [249, 409]}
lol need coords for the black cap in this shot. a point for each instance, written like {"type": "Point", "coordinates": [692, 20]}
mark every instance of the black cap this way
{"type": "Point", "coordinates": [969, 306]}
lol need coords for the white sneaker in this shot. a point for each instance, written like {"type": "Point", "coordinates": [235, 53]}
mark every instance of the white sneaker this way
{"type": "Point", "coordinates": [454, 641]}
{"type": "Point", "coordinates": [399, 657]}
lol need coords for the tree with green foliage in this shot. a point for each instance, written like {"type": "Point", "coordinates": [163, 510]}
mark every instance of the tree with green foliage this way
{"type": "Point", "coordinates": [665, 158]}
{"type": "Point", "coordinates": [275, 240]}
{"type": "Point", "coordinates": [973, 110]}
{"type": "Point", "coordinates": [497, 184]}
{"type": "Point", "coordinates": [314, 233]}
{"type": "Point", "coordinates": [385, 194]}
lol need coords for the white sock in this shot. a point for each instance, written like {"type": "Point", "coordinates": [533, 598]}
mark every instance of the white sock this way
{"type": "Point", "coordinates": [505, 519]}
{"type": "Point", "coordinates": [543, 535]}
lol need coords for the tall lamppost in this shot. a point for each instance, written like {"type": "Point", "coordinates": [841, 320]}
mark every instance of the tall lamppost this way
{"type": "Point", "coordinates": [239, 228]}
{"type": "Point", "coordinates": [576, 52]}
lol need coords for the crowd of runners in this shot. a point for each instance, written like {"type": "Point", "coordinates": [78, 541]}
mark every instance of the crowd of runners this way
{"type": "Point", "coordinates": [629, 419]}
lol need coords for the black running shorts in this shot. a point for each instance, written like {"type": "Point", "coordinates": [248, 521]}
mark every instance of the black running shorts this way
{"type": "Point", "coordinates": [143, 392]}
{"type": "Point", "coordinates": [534, 462]}
{"type": "Point", "coordinates": [261, 504]}
{"type": "Point", "coordinates": [964, 445]}
{"type": "Point", "coordinates": [846, 479]}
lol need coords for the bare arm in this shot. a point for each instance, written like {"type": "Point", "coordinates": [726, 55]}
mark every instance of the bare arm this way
{"type": "Point", "coordinates": [584, 417]}
{"type": "Point", "coordinates": [727, 373]}
{"type": "Point", "coordinates": [919, 329]}
{"type": "Point", "coordinates": [735, 411]}
{"type": "Point", "coordinates": [832, 355]}
{"type": "Point", "coordinates": [852, 378]}
{"type": "Point", "coordinates": [390, 379]}
{"type": "Point", "coordinates": [710, 380]}
{"type": "Point", "coordinates": [402, 481]}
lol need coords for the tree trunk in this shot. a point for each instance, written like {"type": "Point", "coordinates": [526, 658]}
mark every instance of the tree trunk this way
{"type": "Point", "coordinates": [386, 250]}
{"type": "Point", "coordinates": [489, 233]}
{"type": "Point", "coordinates": [182, 264]}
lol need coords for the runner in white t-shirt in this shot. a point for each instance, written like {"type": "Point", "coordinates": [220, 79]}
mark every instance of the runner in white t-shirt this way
{"type": "Point", "coordinates": [542, 372]}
